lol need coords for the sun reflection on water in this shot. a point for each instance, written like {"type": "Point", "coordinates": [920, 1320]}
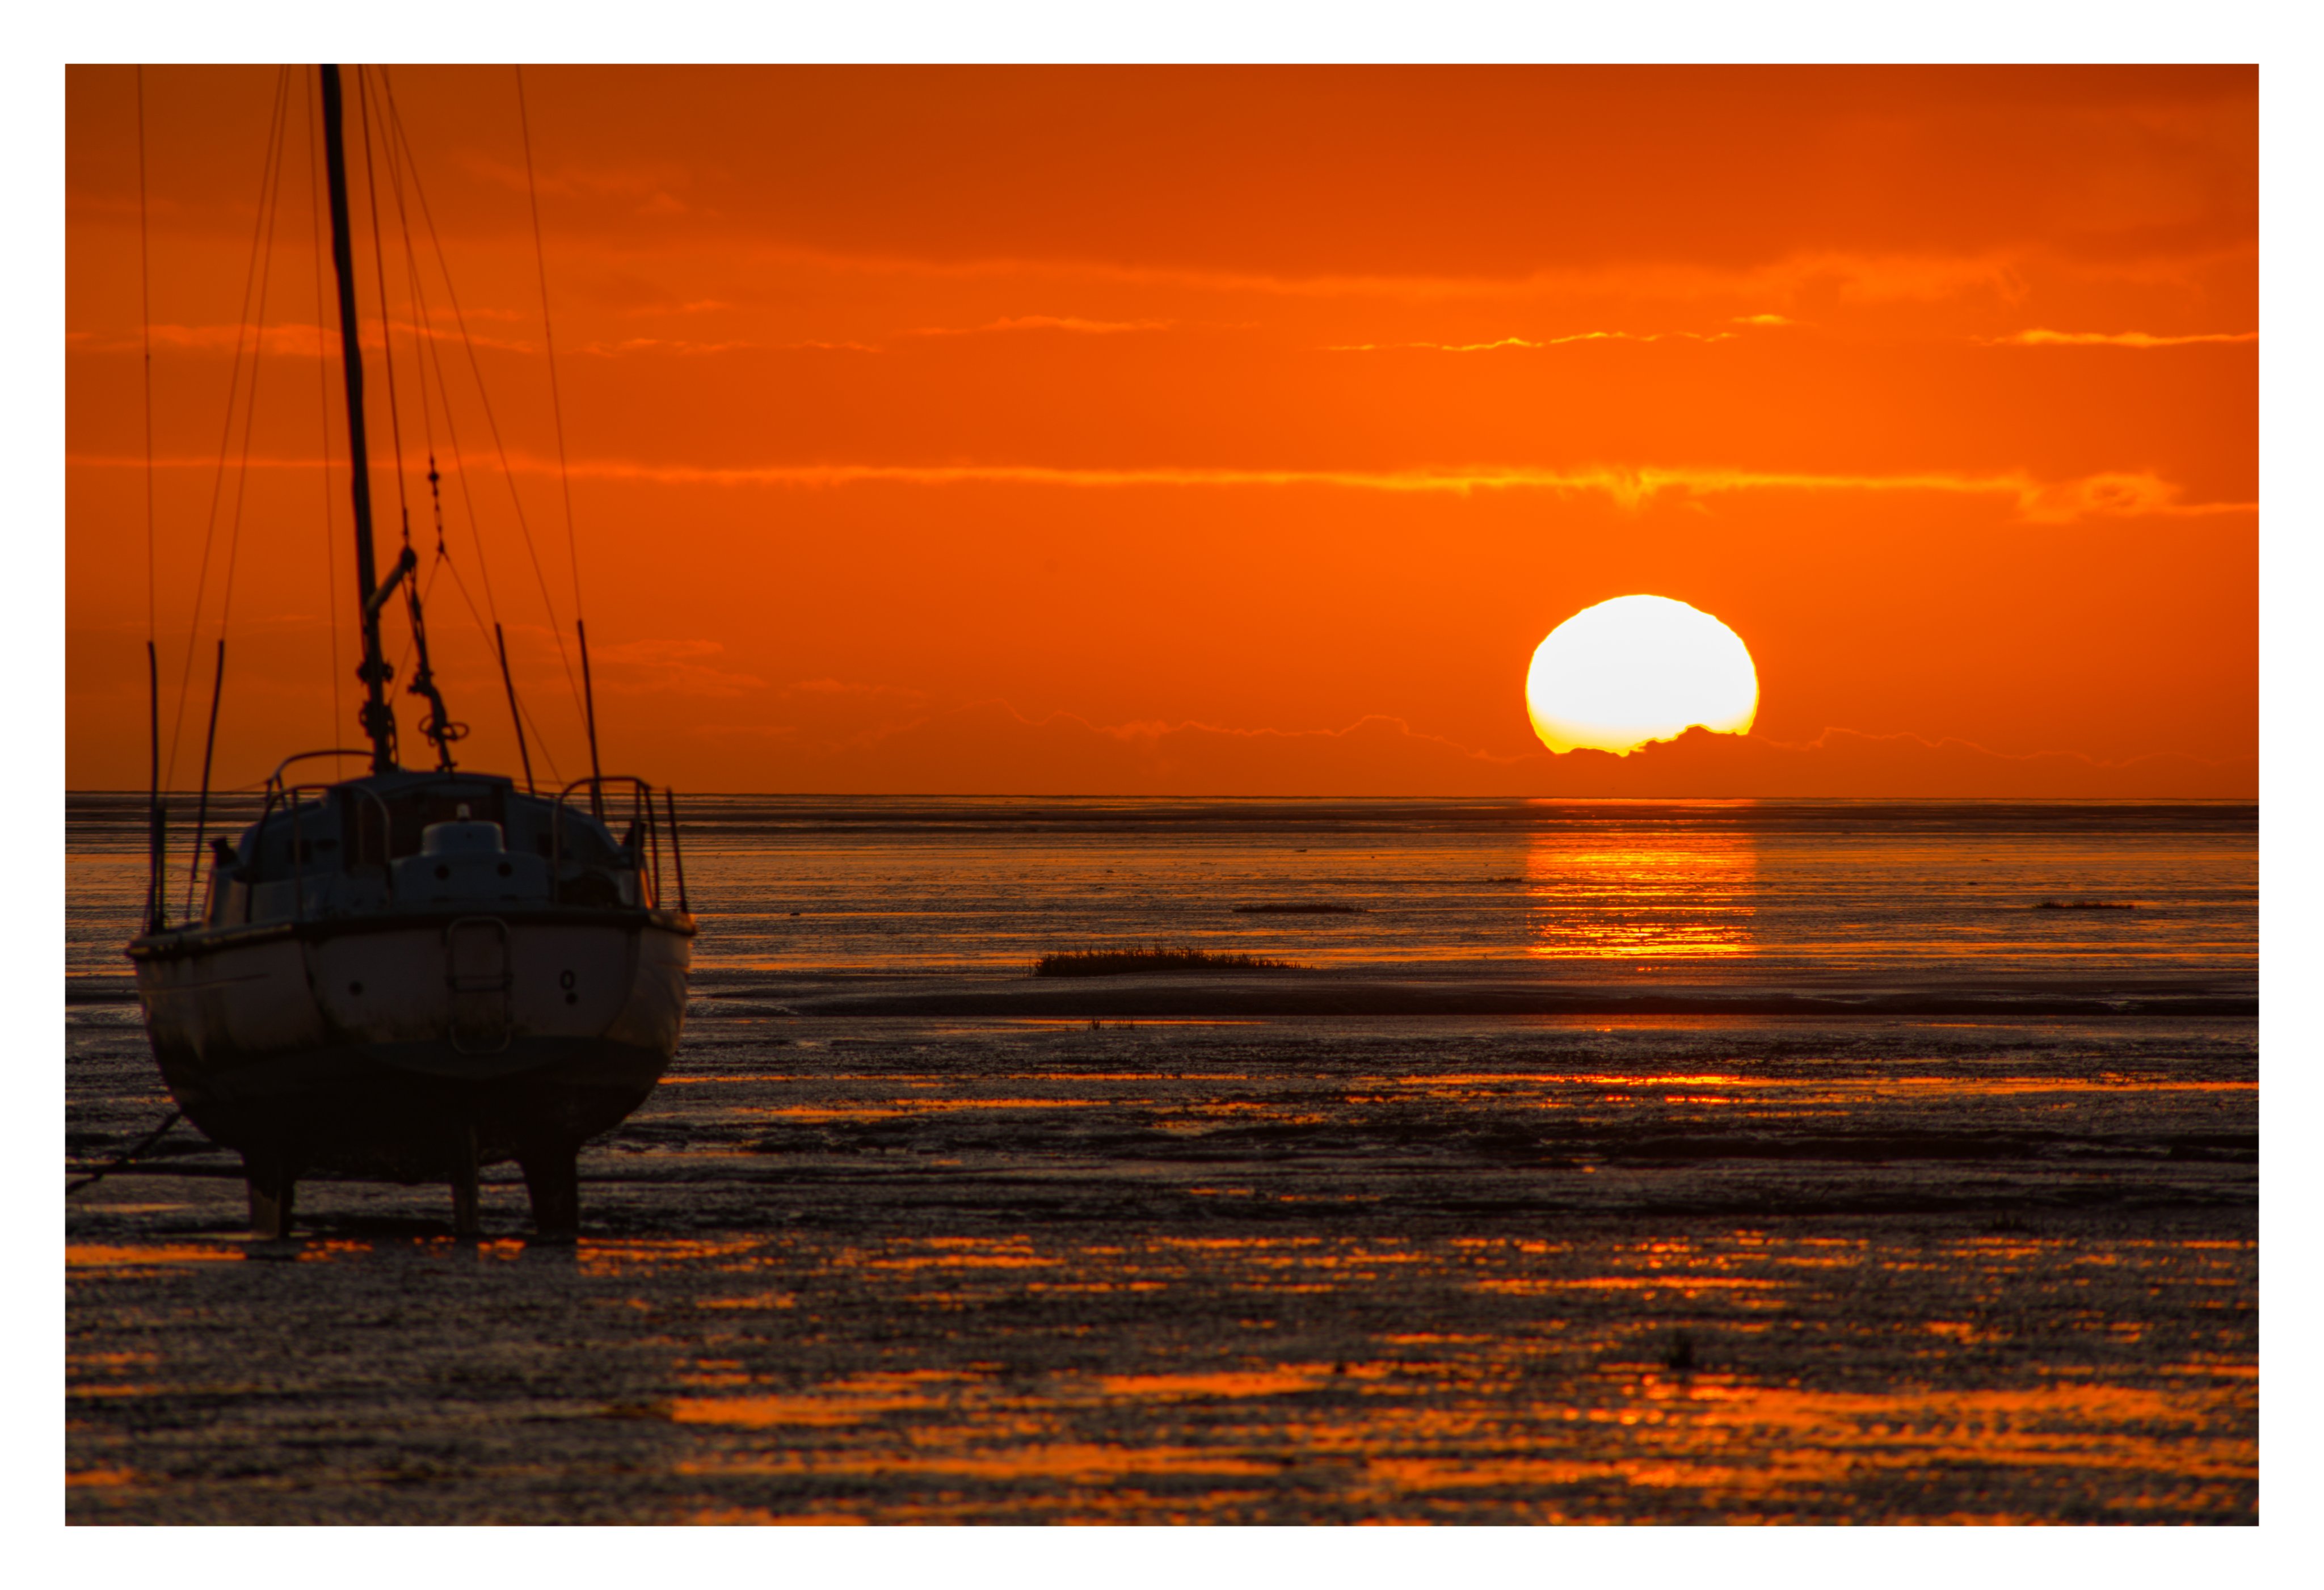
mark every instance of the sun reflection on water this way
{"type": "Point", "coordinates": [1689, 894]}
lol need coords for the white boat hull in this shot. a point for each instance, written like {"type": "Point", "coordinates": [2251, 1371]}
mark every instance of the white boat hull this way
{"type": "Point", "coordinates": [410, 1045]}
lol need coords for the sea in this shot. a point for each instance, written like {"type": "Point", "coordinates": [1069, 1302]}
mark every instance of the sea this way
{"type": "Point", "coordinates": [1561, 1162]}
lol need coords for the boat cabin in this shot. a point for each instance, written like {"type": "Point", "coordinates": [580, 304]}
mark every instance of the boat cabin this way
{"type": "Point", "coordinates": [409, 840]}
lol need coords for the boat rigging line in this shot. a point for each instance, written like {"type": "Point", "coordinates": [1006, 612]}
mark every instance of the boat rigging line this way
{"type": "Point", "coordinates": [270, 205]}
{"type": "Point", "coordinates": [146, 336]}
{"type": "Point", "coordinates": [398, 161]}
{"type": "Point", "coordinates": [548, 341]}
{"type": "Point", "coordinates": [491, 421]}
{"type": "Point", "coordinates": [152, 1141]}
{"type": "Point", "coordinates": [437, 726]}
{"type": "Point", "coordinates": [262, 233]}
{"type": "Point", "coordinates": [564, 969]}
{"type": "Point", "coordinates": [328, 182]}
{"type": "Point", "coordinates": [156, 813]}
{"type": "Point", "coordinates": [564, 472]}
{"type": "Point", "coordinates": [257, 352]}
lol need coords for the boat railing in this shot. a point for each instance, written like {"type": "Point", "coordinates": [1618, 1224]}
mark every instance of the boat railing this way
{"type": "Point", "coordinates": [289, 795]}
{"type": "Point", "coordinates": [298, 855]}
{"type": "Point", "coordinates": [647, 820]}
{"type": "Point", "coordinates": [643, 820]}
{"type": "Point", "coordinates": [291, 799]}
{"type": "Point", "coordinates": [276, 789]}
{"type": "Point", "coordinates": [274, 779]}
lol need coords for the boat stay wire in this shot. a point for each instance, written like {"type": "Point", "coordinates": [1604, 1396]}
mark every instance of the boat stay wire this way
{"type": "Point", "coordinates": [423, 341]}
{"type": "Point", "coordinates": [269, 189]}
{"type": "Point", "coordinates": [146, 336]}
{"type": "Point", "coordinates": [272, 209]}
{"type": "Point", "coordinates": [157, 812]}
{"type": "Point", "coordinates": [242, 398]}
{"type": "Point", "coordinates": [438, 727]}
{"type": "Point", "coordinates": [156, 818]}
{"type": "Point", "coordinates": [386, 320]}
{"type": "Point", "coordinates": [426, 356]}
{"type": "Point", "coordinates": [548, 341]}
{"type": "Point", "coordinates": [257, 350]}
{"type": "Point", "coordinates": [496, 638]}
{"type": "Point", "coordinates": [492, 419]}
{"type": "Point", "coordinates": [398, 162]}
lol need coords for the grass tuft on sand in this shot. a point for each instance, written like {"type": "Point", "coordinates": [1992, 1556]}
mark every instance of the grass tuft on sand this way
{"type": "Point", "coordinates": [1153, 958]}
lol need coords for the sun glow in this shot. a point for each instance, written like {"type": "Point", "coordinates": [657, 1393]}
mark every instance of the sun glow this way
{"type": "Point", "coordinates": [1637, 669]}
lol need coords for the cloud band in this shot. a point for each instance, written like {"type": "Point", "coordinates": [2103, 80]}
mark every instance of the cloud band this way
{"type": "Point", "coordinates": [2122, 494]}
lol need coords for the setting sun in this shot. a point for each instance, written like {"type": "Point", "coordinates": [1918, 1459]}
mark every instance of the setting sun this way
{"type": "Point", "coordinates": [1636, 670]}
{"type": "Point", "coordinates": [1103, 1015]}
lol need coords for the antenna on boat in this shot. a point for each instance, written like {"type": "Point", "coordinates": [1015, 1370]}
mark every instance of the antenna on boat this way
{"type": "Point", "coordinates": [378, 716]}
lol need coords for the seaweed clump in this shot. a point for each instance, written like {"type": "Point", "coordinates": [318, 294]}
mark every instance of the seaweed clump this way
{"type": "Point", "coordinates": [1153, 958]}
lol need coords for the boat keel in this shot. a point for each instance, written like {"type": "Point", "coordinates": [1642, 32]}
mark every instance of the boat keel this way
{"type": "Point", "coordinates": [273, 1186]}
{"type": "Point", "coordinates": [552, 1175]}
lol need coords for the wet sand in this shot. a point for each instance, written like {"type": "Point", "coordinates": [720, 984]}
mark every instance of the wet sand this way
{"type": "Point", "coordinates": [1471, 1268]}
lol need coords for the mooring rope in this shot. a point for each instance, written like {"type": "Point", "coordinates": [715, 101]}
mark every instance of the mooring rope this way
{"type": "Point", "coordinates": [158, 1132]}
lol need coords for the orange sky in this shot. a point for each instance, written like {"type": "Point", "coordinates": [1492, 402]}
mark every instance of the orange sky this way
{"type": "Point", "coordinates": [1139, 431]}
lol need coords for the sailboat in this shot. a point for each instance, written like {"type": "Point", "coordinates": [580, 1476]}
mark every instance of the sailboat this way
{"type": "Point", "coordinates": [415, 973]}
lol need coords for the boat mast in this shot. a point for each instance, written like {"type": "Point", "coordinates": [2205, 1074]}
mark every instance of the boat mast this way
{"type": "Point", "coordinates": [378, 716]}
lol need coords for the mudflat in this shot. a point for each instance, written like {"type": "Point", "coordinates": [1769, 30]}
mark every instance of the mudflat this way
{"type": "Point", "coordinates": [1693, 1162]}
{"type": "Point", "coordinates": [1425, 1269]}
